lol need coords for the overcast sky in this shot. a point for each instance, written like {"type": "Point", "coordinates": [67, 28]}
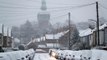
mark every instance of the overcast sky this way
{"type": "Point", "coordinates": [16, 12]}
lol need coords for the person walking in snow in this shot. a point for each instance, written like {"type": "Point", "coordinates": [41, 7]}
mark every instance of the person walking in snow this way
{"type": "Point", "coordinates": [1, 50]}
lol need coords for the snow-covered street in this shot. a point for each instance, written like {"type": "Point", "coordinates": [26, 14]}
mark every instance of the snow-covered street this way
{"type": "Point", "coordinates": [43, 56]}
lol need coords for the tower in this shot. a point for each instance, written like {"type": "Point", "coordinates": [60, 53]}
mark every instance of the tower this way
{"type": "Point", "coordinates": [44, 18]}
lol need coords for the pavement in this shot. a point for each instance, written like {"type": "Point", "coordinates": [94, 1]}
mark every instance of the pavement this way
{"type": "Point", "coordinates": [43, 56]}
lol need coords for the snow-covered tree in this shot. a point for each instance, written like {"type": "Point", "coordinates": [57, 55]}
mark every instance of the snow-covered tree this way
{"type": "Point", "coordinates": [26, 32]}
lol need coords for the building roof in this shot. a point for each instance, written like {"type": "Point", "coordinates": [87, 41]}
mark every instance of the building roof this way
{"type": "Point", "coordinates": [103, 26]}
{"type": "Point", "coordinates": [56, 36]}
{"type": "Point", "coordinates": [85, 32]}
{"type": "Point", "coordinates": [90, 31]}
{"type": "Point", "coordinates": [51, 36]}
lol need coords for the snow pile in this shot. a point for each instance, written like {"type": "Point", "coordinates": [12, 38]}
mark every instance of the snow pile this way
{"type": "Point", "coordinates": [17, 55]}
{"type": "Point", "coordinates": [82, 54]}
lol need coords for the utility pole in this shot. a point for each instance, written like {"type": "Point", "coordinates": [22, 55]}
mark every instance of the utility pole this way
{"type": "Point", "coordinates": [3, 29]}
{"type": "Point", "coordinates": [2, 34]}
{"type": "Point", "coordinates": [97, 11]}
{"type": "Point", "coordinates": [69, 16]}
{"type": "Point", "coordinates": [7, 33]}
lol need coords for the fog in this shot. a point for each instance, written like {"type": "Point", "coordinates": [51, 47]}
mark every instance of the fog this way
{"type": "Point", "coordinates": [16, 12]}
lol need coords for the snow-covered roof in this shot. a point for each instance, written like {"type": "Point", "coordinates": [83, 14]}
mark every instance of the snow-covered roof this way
{"type": "Point", "coordinates": [49, 36]}
{"type": "Point", "coordinates": [29, 43]}
{"type": "Point", "coordinates": [89, 31]}
{"type": "Point", "coordinates": [85, 32]}
{"type": "Point", "coordinates": [55, 36]}
{"type": "Point", "coordinates": [103, 26]}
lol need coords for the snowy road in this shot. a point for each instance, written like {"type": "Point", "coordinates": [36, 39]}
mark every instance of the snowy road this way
{"type": "Point", "coordinates": [43, 56]}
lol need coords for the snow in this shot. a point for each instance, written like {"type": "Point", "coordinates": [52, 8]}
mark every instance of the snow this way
{"type": "Point", "coordinates": [50, 36]}
{"type": "Point", "coordinates": [40, 50]}
{"type": "Point", "coordinates": [104, 55]}
{"type": "Point", "coordinates": [41, 56]}
{"type": "Point", "coordinates": [97, 54]}
{"type": "Point", "coordinates": [4, 57]}
{"type": "Point", "coordinates": [56, 36]}
{"type": "Point", "coordinates": [93, 54]}
{"type": "Point", "coordinates": [15, 55]}
{"type": "Point", "coordinates": [103, 26]}
{"type": "Point", "coordinates": [89, 31]}
{"type": "Point", "coordinates": [41, 46]}
{"type": "Point", "coordinates": [85, 32]}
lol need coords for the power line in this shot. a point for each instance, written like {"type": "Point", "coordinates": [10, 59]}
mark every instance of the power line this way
{"type": "Point", "coordinates": [73, 7]}
{"type": "Point", "coordinates": [62, 8]}
{"type": "Point", "coordinates": [52, 3]}
{"type": "Point", "coordinates": [58, 16]}
{"type": "Point", "coordinates": [30, 16]}
{"type": "Point", "coordinates": [15, 11]}
{"type": "Point", "coordinates": [49, 8]}
{"type": "Point", "coordinates": [25, 5]}
{"type": "Point", "coordinates": [18, 7]}
{"type": "Point", "coordinates": [13, 4]}
{"type": "Point", "coordinates": [103, 6]}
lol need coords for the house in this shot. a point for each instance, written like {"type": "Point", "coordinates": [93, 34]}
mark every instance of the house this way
{"type": "Point", "coordinates": [48, 41]}
{"type": "Point", "coordinates": [7, 41]}
{"type": "Point", "coordinates": [91, 38]}
{"type": "Point", "coordinates": [52, 40]}
{"type": "Point", "coordinates": [56, 40]}
{"type": "Point", "coordinates": [86, 37]}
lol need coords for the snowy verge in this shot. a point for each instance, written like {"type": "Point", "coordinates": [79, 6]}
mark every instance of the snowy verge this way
{"type": "Point", "coordinates": [93, 54]}
{"type": "Point", "coordinates": [17, 55]}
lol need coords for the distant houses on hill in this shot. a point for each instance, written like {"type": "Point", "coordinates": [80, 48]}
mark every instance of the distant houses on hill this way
{"type": "Point", "coordinates": [49, 40]}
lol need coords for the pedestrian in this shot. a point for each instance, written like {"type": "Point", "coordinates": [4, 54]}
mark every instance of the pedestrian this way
{"type": "Point", "coordinates": [81, 57]}
{"type": "Point", "coordinates": [1, 50]}
{"type": "Point", "coordinates": [50, 53]}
